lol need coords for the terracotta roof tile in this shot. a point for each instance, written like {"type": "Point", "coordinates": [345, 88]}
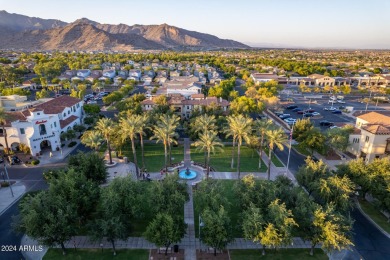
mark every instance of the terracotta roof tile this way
{"type": "Point", "coordinates": [377, 129]}
{"type": "Point", "coordinates": [376, 117]}
{"type": "Point", "coordinates": [67, 121]}
{"type": "Point", "coordinates": [57, 105]}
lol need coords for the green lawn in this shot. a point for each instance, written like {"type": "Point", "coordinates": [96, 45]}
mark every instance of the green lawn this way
{"type": "Point", "coordinates": [301, 150]}
{"type": "Point", "coordinates": [221, 161]}
{"type": "Point", "coordinates": [154, 155]}
{"type": "Point", "coordinates": [97, 254]}
{"type": "Point", "coordinates": [281, 254]}
{"type": "Point", "coordinates": [375, 214]}
{"type": "Point", "coordinates": [234, 209]}
{"type": "Point", "coordinates": [274, 159]}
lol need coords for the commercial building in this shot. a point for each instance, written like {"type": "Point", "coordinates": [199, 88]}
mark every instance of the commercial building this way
{"type": "Point", "coordinates": [371, 138]}
{"type": "Point", "coordinates": [40, 126]}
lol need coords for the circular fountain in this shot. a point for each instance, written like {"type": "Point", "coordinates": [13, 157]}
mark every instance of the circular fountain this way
{"type": "Point", "coordinates": [187, 174]}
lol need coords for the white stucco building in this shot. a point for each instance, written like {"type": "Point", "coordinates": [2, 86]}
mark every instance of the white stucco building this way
{"type": "Point", "coordinates": [40, 127]}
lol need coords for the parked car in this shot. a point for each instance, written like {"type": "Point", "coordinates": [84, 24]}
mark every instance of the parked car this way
{"type": "Point", "coordinates": [325, 123]}
{"type": "Point", "coordinates": [291, 106]}
{"type": "Point", "coordinates": [300, 112]}
{"type": "Point", "coordinates": [341, 101]}
{"type": "Point", "coordinates": [297, 109]}
{"type": "Point", "coordinates": [316, 114]}
{"type": "Point", "coordinates": [341, 107]}
{"type": "Point", "coordinates": [13, 159]}
{"type": "Point", "coordinates": [310, 110]}
{"type": "Point", "coordinates": [337, 112]}
{"type": "Point", "coordinates": [284, 116]}
{"type": "Point", "coordinates": [278, 113]}
{"type": "Point", "coordinates": [333, 126]}
{"type": "Point", "coordinates": [91, 102]}
{"type": "Point", "coordinates": [308, 115]}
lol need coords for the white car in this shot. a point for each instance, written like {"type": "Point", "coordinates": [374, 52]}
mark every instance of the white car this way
{"type": "Point", "coordinates": [91, 102]}
{"type": "Point", "coordinates": [341, 101]}
{"type": "Point", "coordinates": [316, 114]}
{"type": "Point", "coordinates": [333, 126]}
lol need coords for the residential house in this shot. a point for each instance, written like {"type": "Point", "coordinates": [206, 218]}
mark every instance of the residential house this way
{"type": "Point", "coordinates": [109, 73]}
{"type": "Point", "coordinates": [83, 73]}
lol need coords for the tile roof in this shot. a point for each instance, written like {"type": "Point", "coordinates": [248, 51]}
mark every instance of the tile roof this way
{"type": "Point", "coordinates": [14, 116]}
{"type": "Point", "coordinates": [377, 129]}
{"type": "Point", "coordinates": [376, 117]}
{"type": "Point", "coordinates": [57, 105]}
{"type": "Point", "coordinates": [67, 121]}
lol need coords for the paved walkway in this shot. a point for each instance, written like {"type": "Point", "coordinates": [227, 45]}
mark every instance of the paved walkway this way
{"type": "Point", "coordinates": [187, 152]}
{"type": "Point", "coordinates": [6, 198]}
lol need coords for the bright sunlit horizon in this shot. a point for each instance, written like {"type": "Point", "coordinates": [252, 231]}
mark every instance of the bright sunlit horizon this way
{"type": "Point", "coordinates": [300, 23]}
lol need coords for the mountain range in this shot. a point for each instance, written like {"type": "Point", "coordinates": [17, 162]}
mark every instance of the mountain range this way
{"type": "Point", "coordinates": [32, 33]}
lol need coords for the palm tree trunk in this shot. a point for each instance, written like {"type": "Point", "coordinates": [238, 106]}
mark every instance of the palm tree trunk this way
{"type": "Point", "coordinates": [208, 164]}
{"type": "Point", "coordinates": [238, 159]}
{"type": "Point", "coordinates": [269, 162]}
{"type": "Point", "coordinates": [170, 153]}
{"type": "Point", "coordinates": [142, 150]}
{"type": "Point", "coordinates": [109, 150]}
{"type": "Point", "coordinates": [312, 249]}
{"type": "Point", "coordinates": [261, 150]}
{"type": "Point", "coordinates": [63, 248]}
{"type": "Point", "coordinates": [205, 157]}
{"type": "Point", "coordinates": [166, 156]}
{"type": "Point", "coordinates": [113, 246]}
{"type": "Point", "coordinates": [135, 157]}
{"type": "Point", "coordinates": [263, 252]}
{"type": "Point", "coordinates": [232, 165]}
{"type": "Point", "coordinates": [5, 138]}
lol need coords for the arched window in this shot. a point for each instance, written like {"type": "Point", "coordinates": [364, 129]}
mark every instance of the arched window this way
{"type": "Point", "coordinates": [42, 129]}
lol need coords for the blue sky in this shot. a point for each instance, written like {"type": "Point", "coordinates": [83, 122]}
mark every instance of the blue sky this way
{"type": "Point", "coordinates": [294, 23]}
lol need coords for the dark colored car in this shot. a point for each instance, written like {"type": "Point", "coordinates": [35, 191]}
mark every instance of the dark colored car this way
{"type": "Point", "coordinates": [284, 116]}
{"type": "Point", "coordinates": [341, 107]}
{"type": "Point", "coordinates": [309, 110]}
{"type": "Point", "coordinates": [300, 112]}
{"type": "Point", "coordinates": [13, 159]}
{"type": "Point", "coordinates": [297, 109]}
{"type": "Point", "coordinates": [337, 112]}
{"type": "Point", "coordinates": [278, 113]}
{"type": "Point", "coordinates": [326, 123]}
{"type": "Point", "coordinates": [291, 106]}
{"type": "Point", "coordinates": [308, 115]}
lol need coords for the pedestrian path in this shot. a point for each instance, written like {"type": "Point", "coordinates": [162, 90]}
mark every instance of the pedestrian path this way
{"type": "Point", "coordinates": [7, 199]}
{"type": "Point", "coordinates": [189, 242]}
{"type": "Point", "coordinates": [187, 152]}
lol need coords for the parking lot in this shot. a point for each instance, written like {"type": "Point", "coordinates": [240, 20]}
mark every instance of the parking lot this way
{"type": "Point", "coordinates": [318, 106]}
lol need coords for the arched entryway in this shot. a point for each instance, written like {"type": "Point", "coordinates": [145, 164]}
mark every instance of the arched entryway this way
{"type": "Point", "coordinates": [14, 146]}
{"type": "Point", "coordinates": [45, 145]}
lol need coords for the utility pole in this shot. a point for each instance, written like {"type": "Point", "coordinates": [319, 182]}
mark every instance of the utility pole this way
{"type": "Point", "coordinates": [6, 172]}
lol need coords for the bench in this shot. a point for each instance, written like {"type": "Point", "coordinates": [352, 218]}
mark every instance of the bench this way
{"type": "Point", "coordinates": [162, 250]}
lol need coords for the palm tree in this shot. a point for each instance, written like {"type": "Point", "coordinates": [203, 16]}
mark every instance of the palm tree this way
{"type": "Point", "coordinates": [3, 121]}
{"type": "Point", "coordinates": [164, 131]}
{"type": "Point", "coordinates": [240, 127]}
{"type": "Point", "coordinates": [106, 126]}
{"type": "Point", "coordinates": [142, 125]}
{"type": "Point", "coordinates": [129, 129]}
{"type": "Point", "coordinates": [261, 126]}
{"type": "Point", "coordinates": [208, 142]}
{"type": "Point", "coordinates": [202, 124]}
{"type": "Point", "coordinates": [92, 139]}
{"type": "Point", "coordinates": [275, 138]}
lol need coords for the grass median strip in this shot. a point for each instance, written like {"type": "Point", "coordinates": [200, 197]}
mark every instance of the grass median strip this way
{"type": "Point", "coordinates": [280, 254]}
{"type": "Point", "coordinates": [96, 254]}
{"type": "Point", "coordinates": [375, 214]}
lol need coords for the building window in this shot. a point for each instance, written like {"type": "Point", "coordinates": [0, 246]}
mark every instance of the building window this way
{"type": "Point", "coordinates": [22, 131]}
{"type": "Point", "coordinates": [55, 124]}
{"type": "Point", "coordinates": [64, 114]}
{"type": "Point", "coordinates": [42, 129]}
{"type": "Point", "coordinates": [38, 114]}
{"type": "Point", "coordinates": [367, 139]}
{"type": "Point", "coordinates": [68, 112]}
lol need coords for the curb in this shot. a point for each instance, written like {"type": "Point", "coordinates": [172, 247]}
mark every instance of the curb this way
{"type": "Point", "coordinates": [370, 219]}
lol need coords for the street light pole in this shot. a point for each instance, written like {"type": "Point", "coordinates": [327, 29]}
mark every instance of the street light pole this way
{"type": "Point", "coordinates": [6, 172]}
{"type": "Point", "coordinates": [289, 149]}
